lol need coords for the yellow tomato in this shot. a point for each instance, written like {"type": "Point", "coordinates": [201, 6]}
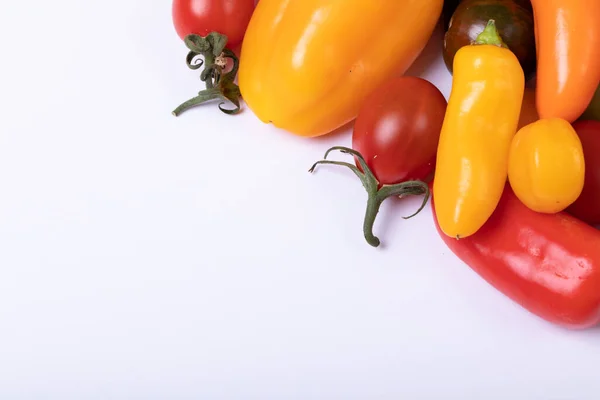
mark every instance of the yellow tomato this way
{"type": "Point", "coordinates": [546, 167]}
{"type": "Point", "coordinates": [307, 65]}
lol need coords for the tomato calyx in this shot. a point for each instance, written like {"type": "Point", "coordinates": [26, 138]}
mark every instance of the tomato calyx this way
{"type": "Point", "coordinates": [376, 192]}
{"type": "Point", "coordinates": [219, 85]}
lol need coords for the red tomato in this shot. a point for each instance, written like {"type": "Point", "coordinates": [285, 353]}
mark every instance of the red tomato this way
{"type": "Point", "coordinates": [227, 17]}
{"type": "Point", "coordinates": [587, 206]}
{"type": "Point", "coordinates": [398, 128]}
{"type": "Point", "coordinates": [395, 136]}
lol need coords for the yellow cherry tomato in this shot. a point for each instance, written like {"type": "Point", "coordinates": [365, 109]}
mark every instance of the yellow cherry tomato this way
{"type": "Point", "coordinates": [546, 167]}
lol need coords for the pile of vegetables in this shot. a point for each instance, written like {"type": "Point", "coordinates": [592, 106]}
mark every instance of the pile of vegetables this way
{"type": "Point", "coordinates": [510, 161]}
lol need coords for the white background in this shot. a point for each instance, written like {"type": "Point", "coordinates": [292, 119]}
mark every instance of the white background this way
{"type": "Point", "coordinates": [144, 256]}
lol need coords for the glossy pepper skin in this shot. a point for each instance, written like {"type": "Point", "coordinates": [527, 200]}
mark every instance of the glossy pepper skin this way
{"type": "Point", "coordinates": [481, 120]}
{"type": "Point", "coordinates": [307, 65]}
{"type": "Point", "coordinates": [547, 263]}
{"type": "Point", "coordinates": [568, 47]}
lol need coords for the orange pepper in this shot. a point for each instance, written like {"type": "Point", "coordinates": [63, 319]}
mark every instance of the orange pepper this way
{"type": "Point", "coordinates": [307, 65]}
{"type": "Point", "coordinates": [568, 47]}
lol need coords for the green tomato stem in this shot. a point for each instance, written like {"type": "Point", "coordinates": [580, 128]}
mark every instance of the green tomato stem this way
{"type": "Point", "coordinates": [218, 85]}
{"type": "Point", "coordinates": [373, 205]}
{"type": "Point", "coordinates": [376, 194]}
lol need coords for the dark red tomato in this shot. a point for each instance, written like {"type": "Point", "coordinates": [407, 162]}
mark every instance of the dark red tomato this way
{"type": "Point", "coordinates": [587, 206]}
{"type": "Point", "coordinates": [398, 128]}
{"type": "Point", "coordinates": [227, 17]}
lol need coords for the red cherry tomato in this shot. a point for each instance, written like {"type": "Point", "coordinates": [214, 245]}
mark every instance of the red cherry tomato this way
{"type": "Point", "coordinates": [587, 206]}
{"type": "Point", "coordinates": [395, 140]}
{"type": "Point", "coordinates": [398, 128]}
{"type": "Point", "coordinates": [227, 17]}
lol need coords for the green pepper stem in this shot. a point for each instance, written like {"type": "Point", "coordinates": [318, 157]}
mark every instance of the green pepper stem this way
{"type": "Point", "coordinates": [490, 36]}
{"type": "Point", "coordinates": [375, 192]}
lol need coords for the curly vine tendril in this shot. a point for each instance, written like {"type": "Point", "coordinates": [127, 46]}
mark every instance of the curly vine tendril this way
{"type": "Point", "coordinates": [209, 53]}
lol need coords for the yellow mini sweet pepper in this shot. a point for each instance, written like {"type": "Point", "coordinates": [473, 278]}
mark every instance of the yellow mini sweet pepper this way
{"type": "Point", "coordinates": [481, 120]}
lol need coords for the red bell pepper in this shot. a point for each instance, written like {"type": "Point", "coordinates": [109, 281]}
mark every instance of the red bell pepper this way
{"type": "Point", "coordinates": [547, 263]}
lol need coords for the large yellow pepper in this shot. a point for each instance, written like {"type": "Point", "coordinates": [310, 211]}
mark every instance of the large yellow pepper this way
{"type": "Point", "coordinates": [307, 65]}
{"type": "Point", "coordinates": [481, 120]}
